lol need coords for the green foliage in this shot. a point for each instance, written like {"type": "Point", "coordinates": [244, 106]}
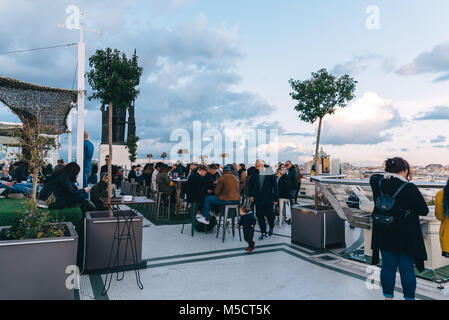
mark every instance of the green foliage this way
{"type": "Point", "coordinates": [113, 77]}
{"type": "Point", "coordinates": [131, 145]}
{"type": "Point", "coordinates": [321, 94]}
{"type": "Point", "coordinates": [34, 224]}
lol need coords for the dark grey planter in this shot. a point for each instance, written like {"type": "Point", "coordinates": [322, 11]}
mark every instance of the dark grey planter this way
{"type": "Point", "coordinates": [99, 233]}
{"type": "Point", "coordinates": [36, 269]}
{"type": "Point", "coordinates": [317, 229]}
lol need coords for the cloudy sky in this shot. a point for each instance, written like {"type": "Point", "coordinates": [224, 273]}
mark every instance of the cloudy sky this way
{"type": "Point", "coordinates": [227, 64]}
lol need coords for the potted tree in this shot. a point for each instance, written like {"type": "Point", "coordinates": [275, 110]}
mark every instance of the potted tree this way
{"type": "Point", "coordinates": [319, 225]}
{"type": "Point", "coordinates": [114, 79]}
{"type": "Point", "coordinates": [37, 252]}
{"type": "Point", "coordinates": [163, 156]}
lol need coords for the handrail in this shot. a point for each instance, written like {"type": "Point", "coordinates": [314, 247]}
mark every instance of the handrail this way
{"type": "Point", "coordinates": [351, 182]}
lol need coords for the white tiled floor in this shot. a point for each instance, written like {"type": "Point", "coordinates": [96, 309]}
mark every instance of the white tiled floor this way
{"type": "Point", "coordinates": [202, 267]}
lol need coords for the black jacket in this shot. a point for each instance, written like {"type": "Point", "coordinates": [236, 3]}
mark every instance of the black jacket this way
{"type": "Point", "coordinates": [209, 181]}
{"type": "Point", "coordinates": [266, 194]}
{"type": "Point", "coordinates": [132, 175]}
{"type": "Point", "coordinates": [293, 178]}
{"type": "Point", "coordinates": [99, 190]}
{"type": "Point", "coordinates": [248, 221]}
{"type": "Point", "coordinates": [195, 188]}
{"type": "Point", "coordinates": [284, 187]}
{"type": "Point", "coordinates": [407, 238]}
{"type": "Point", "coordinates": [62, 188]}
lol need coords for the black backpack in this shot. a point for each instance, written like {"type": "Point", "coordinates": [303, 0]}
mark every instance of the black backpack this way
{"type": "Point", "coordinates": [389, 213]}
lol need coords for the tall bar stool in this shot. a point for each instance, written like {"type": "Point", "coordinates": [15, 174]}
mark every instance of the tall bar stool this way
{"type": "Point", "coordinates": [160, 205]}
{"type": "Point", "coordinates": [224, 215]}
{"type": "Point", "coordinates": [283, 203]}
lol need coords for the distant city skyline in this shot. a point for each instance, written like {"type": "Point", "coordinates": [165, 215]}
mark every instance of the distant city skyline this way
{"type": "Point", "coordinates": [227, 64]}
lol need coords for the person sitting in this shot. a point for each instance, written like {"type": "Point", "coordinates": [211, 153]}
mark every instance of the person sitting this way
{"type": "Point", "coordinates": [19, 171]}
{"type": "Point", "coordinates": [11, 186]}
{"type": "Point", "coordinates": [100, 190]}
{"type": "Point", "coordinates": [164, 184]}
{"type": "Point", "coordinates": [146, 175]}
{"type": "Point", "coordinates": [93, 178]}
{"type": "Point", "coordinates": [195, 187]}
{"type": "Point", "coordinates": [61, 185]}
{"type": "Point", "coordinates": [211, 179]}
{"type": "Point", "coordinates": [226, 192]}
{"type": "Point", "coordinates": [59, 165]}
{"type": "Point", "coordinates": [132, 175]}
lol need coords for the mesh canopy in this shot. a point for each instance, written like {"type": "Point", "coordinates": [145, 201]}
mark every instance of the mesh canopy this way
{"type": "Point", "coordinates": [29, 101]}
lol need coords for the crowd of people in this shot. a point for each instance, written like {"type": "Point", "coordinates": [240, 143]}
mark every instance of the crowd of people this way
{"type": "Point", "coordinates": [396, 235]}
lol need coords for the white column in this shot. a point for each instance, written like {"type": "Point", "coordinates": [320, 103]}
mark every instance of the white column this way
{"type": "Point", "coordinates": [69, 125]}
{"type": "Point", "coordinates": [80, 113]}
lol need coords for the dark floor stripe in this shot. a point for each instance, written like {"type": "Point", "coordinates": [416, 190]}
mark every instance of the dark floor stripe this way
{"type": "Point", "coordinates": [165, 264]}
{"type": "Point", "coordinates": [187, 255]}
{"type": "Point", "coordinates": [97, 284]}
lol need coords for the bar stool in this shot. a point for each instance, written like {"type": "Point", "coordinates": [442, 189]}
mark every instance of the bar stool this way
{"type": "Point", "coordinates": [160, 205]}
{"type": "Point", "coordinates": [194, 209]}
{"type": "Point", "coordinates": [283, 203]}
{"type": "Point", "coordinates": [226, 209]}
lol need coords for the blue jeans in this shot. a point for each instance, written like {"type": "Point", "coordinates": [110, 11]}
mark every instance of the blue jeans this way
{"type": "Point", "coordinates": [390, 262]}
{"type": "Point", "coordinates": [213, 200]}
{"type": "Point", "coordinates": [24, 188]}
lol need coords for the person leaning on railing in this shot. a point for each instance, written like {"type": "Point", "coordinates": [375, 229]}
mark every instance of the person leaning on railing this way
{"type": "Point", "coordinates": [442, 214]}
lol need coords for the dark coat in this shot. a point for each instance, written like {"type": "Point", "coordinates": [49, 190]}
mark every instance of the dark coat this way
{"type": "Point", "coordinates": [209, 181]}
{"type": "Point", "coordinates": [64, 191]}
{"type": "Point", "coordinates": [266, 194]}
{"type": "Point", "coordinates": [284, 187]}
{"type": "Point", "coordinates": [99, 190]}
{"type": "Point", "coordinates": [132, 175]}
{"type": "Point", "coordinates": [407, 238]}
{"type": "Point", "coordinates": [248, 221]}
{"type": "Point", "coordinates": [195, 188]}
{"type": "Point", "coordinates": [293, 178]}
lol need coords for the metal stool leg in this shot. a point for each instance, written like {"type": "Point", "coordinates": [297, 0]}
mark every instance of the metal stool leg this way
{"type": "Point", "coordinates": [225, 220]}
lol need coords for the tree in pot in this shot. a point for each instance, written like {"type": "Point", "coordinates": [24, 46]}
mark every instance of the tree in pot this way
{"type": "Point", "coordinates": [131, 145]}
{"type": "Point", "coordinates": [163, 156]}
{"type": "Point", "coordinates": [320, 96]}
{"type": "Point", "coordinates": [113, 79]}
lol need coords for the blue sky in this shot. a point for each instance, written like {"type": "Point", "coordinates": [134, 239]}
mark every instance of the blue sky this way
{"type": "Point", "coordinates": [223, 61]}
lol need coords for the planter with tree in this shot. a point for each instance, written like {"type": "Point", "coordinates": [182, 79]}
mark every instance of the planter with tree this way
{"type": "Point", "coordinates": [114, 79]}
{"type": "Point", "coordinates": [318, 225]}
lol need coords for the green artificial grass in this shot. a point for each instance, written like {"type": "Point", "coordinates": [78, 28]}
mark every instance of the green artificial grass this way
{"type": "Point", "coordinates": [10, 213]}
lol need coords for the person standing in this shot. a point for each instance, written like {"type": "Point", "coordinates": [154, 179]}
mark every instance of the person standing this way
{"type": "Point", "coordinates": [293, 179]}
{"type": "Point", "coordinates": [284, 193]}
{"type": "Point", "coordinates": [298, 188]}
{"type": "Point", "coordinates": [247, 221]}
{"type": "Point", "coordinates": [396, 229]}
{"type": "Point", "coordinates": [442, 214]}
{"type": "Point", "coordinates": [264, 194]}
{"type": "Point", "coordinates": [87, 163]}
{"type": "Point", "coordinates": [59, 165]}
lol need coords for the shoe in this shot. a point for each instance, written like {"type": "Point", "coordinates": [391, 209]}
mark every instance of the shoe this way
{"type": "Point", "coordinates": [270, 233]}
{"type": "Point", "coordinates": [263, 236]}
{"type": "Point", "coordinates": [199, 215]}
{"type": "Point", "coordinates": [288, 221]}
{"type": "Point", "coordinates": [253, 246]}
{"type": "Point", "coordinates": [203, 220]}
{"type": "Point", "coordinates": [249, 249]}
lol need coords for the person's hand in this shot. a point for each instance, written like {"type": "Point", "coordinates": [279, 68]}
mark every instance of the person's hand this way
{"type": "Point", "coordinates": [10, 184]}
{"type": "Point", "coordinates": [209, 191]}
{"type": "Point", "coordinates": [276, 203]}
{"type": "Point", "coordinates": [87, 189]}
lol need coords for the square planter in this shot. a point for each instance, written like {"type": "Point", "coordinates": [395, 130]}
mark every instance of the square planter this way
{"type": "Point", "coordinates": [99, 233]}
{"type": "Point", "coordinates": [317, 229]}
{"type": "Point", "coordinates": [35, 269]}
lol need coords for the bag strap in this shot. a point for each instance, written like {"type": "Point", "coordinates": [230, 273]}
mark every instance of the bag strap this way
{"type": "Point", "coordinates": [400, 189]}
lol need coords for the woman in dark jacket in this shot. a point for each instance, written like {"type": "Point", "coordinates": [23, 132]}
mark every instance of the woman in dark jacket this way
{"type": "Point", "coordinates": [401, 244]}
{"type": "Point", "coordinates": [283, 184]}
{"type": "Point", "coordinates": [100, 190]}
{"type": "Point", "coordinates": [61, 185]}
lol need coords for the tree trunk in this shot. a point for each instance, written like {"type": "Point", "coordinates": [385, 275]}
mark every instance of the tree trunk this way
{"type": "Point", "coordinates": [35, 177]}
{"type": "Point", "coordinates": [110, 159]}
{"type": "Point", "coordinates": [317, 146]}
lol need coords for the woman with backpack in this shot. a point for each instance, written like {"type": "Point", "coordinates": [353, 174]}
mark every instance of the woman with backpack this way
{"type": "Point", "coordinates": [442, 214]}
{"type": "Point", "coordinates": [396, 229]}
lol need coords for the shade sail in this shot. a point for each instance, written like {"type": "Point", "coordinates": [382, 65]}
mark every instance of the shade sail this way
{"type": "Point", "coordinates": [29, 101]}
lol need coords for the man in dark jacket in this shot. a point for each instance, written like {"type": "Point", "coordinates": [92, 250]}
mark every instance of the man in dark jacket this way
{"type": "Point", "coordinates": [195, 187]}
{"type": "Point", "coordinates": [293, 179]}
{"type": "Point", "coordinates": [100, 190]}
{"type": "Point", "coordinates": [264, 193]}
